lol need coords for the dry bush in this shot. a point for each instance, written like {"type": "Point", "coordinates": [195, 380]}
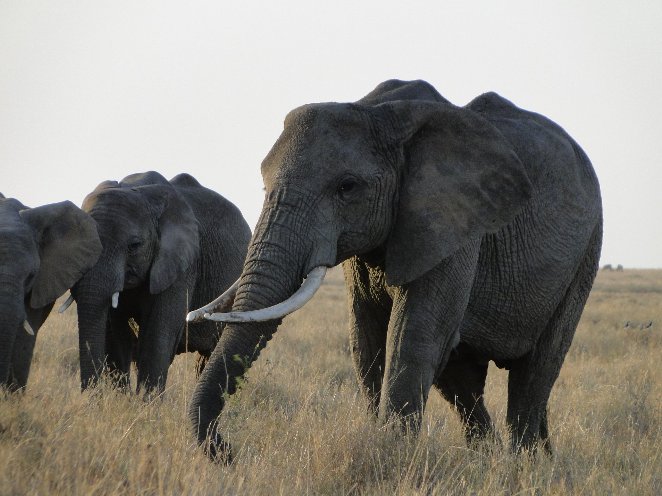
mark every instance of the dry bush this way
{"type": "Point", "coordinates": [299, 425]}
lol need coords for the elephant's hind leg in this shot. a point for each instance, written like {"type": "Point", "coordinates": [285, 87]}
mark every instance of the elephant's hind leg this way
{"type": "Point", "coordinates": [531, 378]}
{"type": "Point", "coordinates": [461, 383]}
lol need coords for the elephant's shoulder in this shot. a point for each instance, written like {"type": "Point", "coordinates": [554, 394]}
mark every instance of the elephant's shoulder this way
{"type": "Point", "coordinates": [185, 179]}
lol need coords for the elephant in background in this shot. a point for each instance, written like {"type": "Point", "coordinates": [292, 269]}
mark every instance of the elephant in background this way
{"type": "Point", "coordinates": [167, 246]}
{"type": "Point", "coordinates": [466, 234]}
{"type": "Point", "coordinates": [43, 252]}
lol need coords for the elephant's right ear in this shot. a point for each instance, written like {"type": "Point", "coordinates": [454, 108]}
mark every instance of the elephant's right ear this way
{"type": "Point", "coordinates": [68, 247]}
{"type": "Point", "coordinates": [461, 179]}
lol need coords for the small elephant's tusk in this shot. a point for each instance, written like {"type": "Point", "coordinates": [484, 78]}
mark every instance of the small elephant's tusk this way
{"type": "Point", "coordinates": [115, 299]}
{"type": "Point", "coordinates": [67, 303]}
{"type": "Point", "coordinates": [223, 302]}
{"type": "Point", "coordinates": [28, 328]}
{"type": "Point", "coordinates": [297, 300]}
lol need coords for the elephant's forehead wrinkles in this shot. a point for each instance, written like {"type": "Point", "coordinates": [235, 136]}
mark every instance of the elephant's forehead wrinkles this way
{"type": "Point", "coordinates": [316, 139]}
{"type": "Point", "coordinates": [121, 203]}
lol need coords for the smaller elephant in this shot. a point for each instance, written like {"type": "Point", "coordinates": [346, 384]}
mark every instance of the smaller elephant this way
{"type": "Point", "coordinates": [43, 252]}
{"type": "Point", "coordinates": [167, 246]}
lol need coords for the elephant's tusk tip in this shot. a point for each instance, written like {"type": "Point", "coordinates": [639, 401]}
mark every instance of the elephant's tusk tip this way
{"type": "Point", "coordinates": [66, 304]}
{"type": "Point", "coordinates": [192, 316]}
{"type": "Point", "coordinates": [28, 328]}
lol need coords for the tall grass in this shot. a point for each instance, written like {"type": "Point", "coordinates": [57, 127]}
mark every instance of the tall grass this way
{"type": "Point", "coordinates": [299, 425]}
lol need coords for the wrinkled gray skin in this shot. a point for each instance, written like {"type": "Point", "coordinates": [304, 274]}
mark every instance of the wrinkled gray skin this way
{"type": "Point", "coordinates": [467, 234]}
{"type": "Point", "coordinates": [43, 251]}
{"type": "Point", "coordinates": [168, 246]}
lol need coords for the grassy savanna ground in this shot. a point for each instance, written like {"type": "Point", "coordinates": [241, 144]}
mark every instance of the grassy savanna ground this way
{"type": "Point", "coordinates": [299, 426]}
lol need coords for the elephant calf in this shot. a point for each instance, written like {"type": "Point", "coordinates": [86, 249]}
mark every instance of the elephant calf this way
{"type": "Point", "coordinates": [167, 246]}
{"type": "Point", "coordinates": [43, 252]}
{"type": "Point", "coordinates": [467, 235]}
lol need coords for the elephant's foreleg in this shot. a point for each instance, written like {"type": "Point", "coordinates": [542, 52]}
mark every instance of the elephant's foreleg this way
{"type": "Point", "coordinates": [462, 383]}
{"type": "Point", "coordinates": [370, 308]}
{"type": "Point", "coordinates": [120, 342]}
{"type": "Point", "coordinates": [423, 329]}
{"type": "Point", "coordinates": [163, 318]}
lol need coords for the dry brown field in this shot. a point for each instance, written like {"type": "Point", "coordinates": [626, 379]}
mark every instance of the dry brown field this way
{"type": "Point", "coordinates": [299, 425]}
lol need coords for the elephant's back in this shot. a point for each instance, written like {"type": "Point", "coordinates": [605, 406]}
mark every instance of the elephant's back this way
{"type": "Point", "coordinates": [185, 179]}
{"type": "Point", "coordinates": [224, 237]}
{"type": "Point", "coordinates": [212, 208]}
{"type": "Point", "coordinates": [558, 168]}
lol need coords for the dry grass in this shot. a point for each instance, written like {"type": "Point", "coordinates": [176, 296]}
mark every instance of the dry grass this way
{"type": "Point", "coordinates": [298, 426]}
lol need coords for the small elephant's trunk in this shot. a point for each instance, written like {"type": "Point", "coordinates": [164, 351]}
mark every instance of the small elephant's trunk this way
{"type": "Point", "coordinates": [93, 295]}
{"type": "Point", "coordinates": [11, 322]}
{"type": "Point", "coordinates": [92, 329]}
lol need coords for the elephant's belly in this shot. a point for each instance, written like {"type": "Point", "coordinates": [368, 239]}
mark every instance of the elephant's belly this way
{"type": "Point", "coordinates": [520, 280]}
{"type": "Point", "coordinates": [506, 328]}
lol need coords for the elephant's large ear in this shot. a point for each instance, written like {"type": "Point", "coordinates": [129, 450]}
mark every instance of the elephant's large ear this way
{"type": "Point", "coordinates": [462, 179]}
{"type": "Point", "coordinates": [68, 247]}
{"type": "Point", "coordinates": [178, 237]}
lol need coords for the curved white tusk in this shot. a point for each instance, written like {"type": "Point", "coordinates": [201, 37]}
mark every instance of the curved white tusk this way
{"type": "Point", "coordinates": [115, 299]}
{"type": "Point", "coordinates": [223, 302]}
{"type": "Point", "coordinates": [28, 328]}
{"type": "Point", "coordinates": [67, 303]}
{"type": "Point", "coordinates": [297, 300]}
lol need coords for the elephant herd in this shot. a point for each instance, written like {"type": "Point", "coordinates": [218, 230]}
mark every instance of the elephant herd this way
{"type": "Point", "coordinates": [135, 257]}
{"type": "Point", "coordinates": [466, 235]}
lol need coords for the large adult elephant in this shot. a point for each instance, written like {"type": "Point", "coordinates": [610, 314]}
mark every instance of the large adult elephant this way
{"type": "Point", "coordinates": [167, 246]}
{"type": "Point", "coordinates": [467, 234]}
{"type": "Point", "coordinates": [43, 251]}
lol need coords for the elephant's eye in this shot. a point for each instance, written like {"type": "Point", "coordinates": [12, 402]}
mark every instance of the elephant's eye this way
{"type": "Point", "coordinates": [347, 186]}
{"type": "Point", "coordinates": [134, 245]}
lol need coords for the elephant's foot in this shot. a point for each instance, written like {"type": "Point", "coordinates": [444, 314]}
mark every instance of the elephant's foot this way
{"type": "Point", "coordinates": [530, 441]}
{"type": "Point", "coordinates": [218, 450]}
{"type": "Point", "coordinates": [483, 439]}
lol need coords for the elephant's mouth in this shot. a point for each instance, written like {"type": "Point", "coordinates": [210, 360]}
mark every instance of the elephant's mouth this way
{"type": "Point", "coordinates": [131, 279]}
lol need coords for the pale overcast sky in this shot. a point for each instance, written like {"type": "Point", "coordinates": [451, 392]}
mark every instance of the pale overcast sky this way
{"type": "Point", "coordinates": [95, 90]}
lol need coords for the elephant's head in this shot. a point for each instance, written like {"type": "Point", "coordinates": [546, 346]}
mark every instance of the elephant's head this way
{"type": "Point", "coordinates": [43, 252]}
{"type": "Point", "coordinates": [401, 178]}
{"type": "Point", "coordinates": [149, 237]}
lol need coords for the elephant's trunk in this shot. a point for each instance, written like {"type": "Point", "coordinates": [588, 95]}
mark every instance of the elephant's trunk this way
{"type": "Point", "coordinates": [239, 345]}
{"type": "Point", "coordinates": [92, 329]}
{"type": "Point", "coordinates": [93, 294]}
{"type": "Point", "coordinates": [11, 322]}
{"type": "Point", "coordinates": [278, 259]}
